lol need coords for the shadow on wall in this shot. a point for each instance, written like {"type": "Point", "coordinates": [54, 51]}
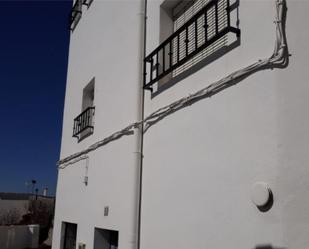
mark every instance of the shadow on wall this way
{"type": "Point", "coordinates": [216, 55]}
{"type": "Point", "coordinates": [268, 205]}
{"type": "Point", "coordinates": [268, 246]}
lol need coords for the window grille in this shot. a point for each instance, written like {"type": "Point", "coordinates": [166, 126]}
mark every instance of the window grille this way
{"type": "Point", "coordinates": [199, 31]}
{"type": "Point", "coordinates": [83, 123]}
{"type": "Point", "coordinates": [181, 17]}
{"type": "Point", "coordinates": [76, 14]}
{"type": "Point", "coordinates": [87, 3]}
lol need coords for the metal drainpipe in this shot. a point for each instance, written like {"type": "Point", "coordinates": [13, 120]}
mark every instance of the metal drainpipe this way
{"type": "Point", "coordinates": [140, 107]}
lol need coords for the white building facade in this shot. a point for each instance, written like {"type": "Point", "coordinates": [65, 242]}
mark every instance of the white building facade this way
{"type": "Point", "coordinates": [224, 167]}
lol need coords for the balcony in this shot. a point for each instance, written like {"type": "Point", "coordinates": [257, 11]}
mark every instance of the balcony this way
{"type": "Point", "coordinates": [87, 3]}
{"type": "Point", "coordinates": [83, 123]}
{"type": "Point", "coordinates": [206, 27]}
{"type": "Point", "coordinates": [76, 14]}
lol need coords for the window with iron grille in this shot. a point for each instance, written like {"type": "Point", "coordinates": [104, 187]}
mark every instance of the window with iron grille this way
{"type": "Point", "coordinates": [84, 122]}
{"type": "Point", "coordinates": [76, 12]}
{"type": "Point", "coordinates": [180, 17]}
{"type": "Point", "coordinates": [200, 28]}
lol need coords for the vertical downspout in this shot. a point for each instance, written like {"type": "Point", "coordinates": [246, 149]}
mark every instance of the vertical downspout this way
{"type": "Point", "coordinates": [141, 128]}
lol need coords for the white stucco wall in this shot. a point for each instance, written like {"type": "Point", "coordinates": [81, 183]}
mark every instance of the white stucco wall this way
{"type": "Point", "coordinates": [104, 45]}
{"type": "Point", "coordinates": [201, 162]}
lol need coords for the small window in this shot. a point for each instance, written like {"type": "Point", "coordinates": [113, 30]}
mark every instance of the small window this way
{"type": "Point", "coordinates": [88, 95]}
{"type": "Point", "coordinates": [105, 239]}
{"type": "Point", "coordinates": [69, 236]}
{"type": "Point", "coordinates": [84, 122]}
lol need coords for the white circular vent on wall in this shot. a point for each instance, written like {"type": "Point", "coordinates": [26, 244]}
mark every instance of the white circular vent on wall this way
{"type": "Point", "coordinates": [261, 195]}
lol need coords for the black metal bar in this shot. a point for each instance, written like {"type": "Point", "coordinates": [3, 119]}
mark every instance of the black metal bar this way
{"type": "Point", "coordinates": [87, 3]}
{"type": "Point", "coordinates": [157, 64]}
{"type": "Point", "coordinates": [83, 121]}
{"type": "Point", "coordinates": [86, 119]}
{"type": "Point", "coordinates": [145, 72]}
{"type": "Point", "coordinates": [216, 19]}
{"type": "Point", "coordinates": [205, 26]}
{"type": "Point", "coordinates": [235, 30]}
{"type": "Point", "coordinates": [171, 55]}
{"type": "Point", "coordinates": [163, 60]}
{"type": "Point", "coordinates": [74, 128]}
{"type": "Point", "coordinates": [228, 13]}
{"type": "Point", "coordinates": [151, 69]}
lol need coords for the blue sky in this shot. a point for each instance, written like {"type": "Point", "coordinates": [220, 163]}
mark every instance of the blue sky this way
{"type": "Point", "coordinates": [34, 44]}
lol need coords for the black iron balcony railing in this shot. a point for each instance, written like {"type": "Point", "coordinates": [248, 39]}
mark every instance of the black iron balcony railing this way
{"type": "Point", "coordinates": [87, 3]}
{"type": "Point", "coordinates": [76, 14]}
{"type": "Point", "coordinates": [206, 27]}
{"type": "Point", "coordinates": [83, 122]}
